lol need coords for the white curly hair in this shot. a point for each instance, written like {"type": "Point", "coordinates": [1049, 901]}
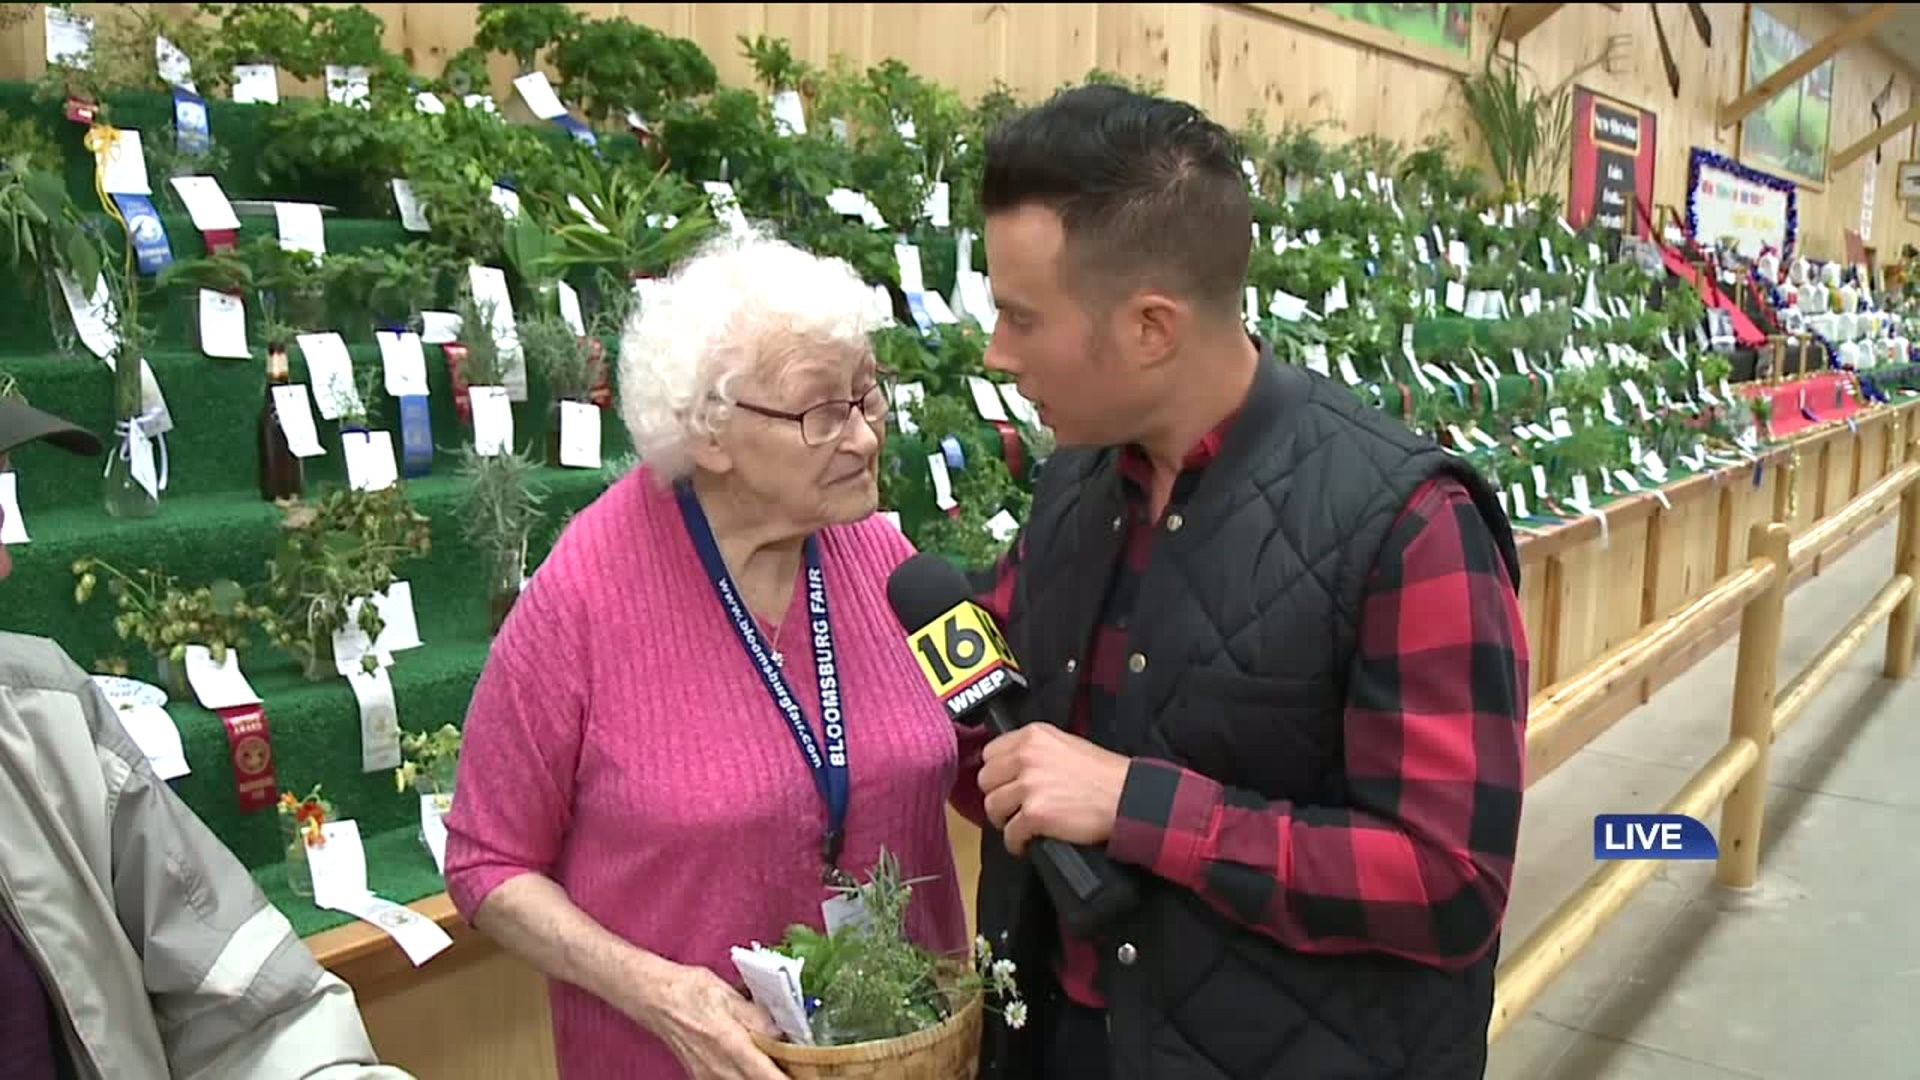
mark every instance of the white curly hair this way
{"type": "Point", "coordinates": [736, 301]}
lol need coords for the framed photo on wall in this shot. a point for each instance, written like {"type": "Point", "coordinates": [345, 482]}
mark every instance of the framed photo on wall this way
{"type": "Point", "coordinates": [1444, 35]}
{"type": "Point", "coordinates": [1788, 135]}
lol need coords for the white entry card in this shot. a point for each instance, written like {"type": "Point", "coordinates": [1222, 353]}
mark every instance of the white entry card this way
{"type": "Point", "coordinates": [330, 370]}
{"type": "Point", "coordinates": [418, 936]}
{"type": "Point", "coordinates": [256, 84]}
{"type": "Point", "coordinates": [69, 38]}
{"type": "Point", "coordinates": [579, 435]}
{"type": "Point", "coordinates": [301, 227]}
{"type": "Point", "coordinates": [218, 686]}
{"type": "Point", "coordinates": [987, 400]}
{"type": "Point", "coordinates": [295, 413]}
{"type": "Point", "coordinates": [538, 93]}
{"type": "Point", "coordinates": [412, 218]}
{"type": "Point", "coordinates": [223, 325]}
{"type": "Point", "coordinates": [492, 420]}
{"type": "Point", "coordinates": [206, 203]}
{"type": "Point", "coordinates": [338, 864]}
{"type": "Point", "coordinates": [126, 166]}
{"type": "Point", "coordinates": [370, 461]}
{"type": "Point", "coordinates": [405, 363]}
{"type": "Point", "coordinates": [13, 530]}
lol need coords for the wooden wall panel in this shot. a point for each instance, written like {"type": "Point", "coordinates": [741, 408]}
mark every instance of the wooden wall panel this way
{"type": "Point", "coordinates": [1232, 59]}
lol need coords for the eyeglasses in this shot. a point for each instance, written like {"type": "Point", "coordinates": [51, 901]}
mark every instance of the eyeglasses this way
{"type": "Point", "coordinates": [823, 424]}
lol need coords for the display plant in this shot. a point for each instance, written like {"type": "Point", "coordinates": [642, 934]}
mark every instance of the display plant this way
{"type": "Point", "coordinates": [302, 827]}
{"type": "Point", "coordinates": [154, 609]}
{"type": "Point", "coordinates": [333, 552]}
{"type": "Point", "coordinates": [502, 508]}
{"type": "Point", "coordinates": [878, 1003]}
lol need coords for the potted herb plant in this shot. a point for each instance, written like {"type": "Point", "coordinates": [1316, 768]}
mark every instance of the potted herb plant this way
{"type": "Point", "coordinates": [502, 508]}
{"type": "Point", "coordinates": [157, 612]}
{"type": "Point", "coordinates": [571, 365]}
{"type": "Point", "coordinates": [332, 552]}
{"type": "Point", "coordinates": [879, 1004]}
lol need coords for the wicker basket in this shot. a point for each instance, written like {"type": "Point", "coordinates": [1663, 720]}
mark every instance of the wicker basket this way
{"type": "Point", "coordinates": [947, 1051]}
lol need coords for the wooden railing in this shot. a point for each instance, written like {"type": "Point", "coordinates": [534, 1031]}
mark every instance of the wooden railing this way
{"type": "Point", "coordinates": [1735, 778]}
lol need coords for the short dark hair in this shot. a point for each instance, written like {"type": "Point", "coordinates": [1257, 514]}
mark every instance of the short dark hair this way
{"type": "Point", "coordinates": [1148, 189]}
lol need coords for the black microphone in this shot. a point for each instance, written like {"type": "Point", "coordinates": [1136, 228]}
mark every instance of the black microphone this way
{"type": "Point", "coordinates": [967, 663]}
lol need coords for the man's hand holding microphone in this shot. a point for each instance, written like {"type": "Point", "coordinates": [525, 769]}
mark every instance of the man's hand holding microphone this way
{"type": "Point", "coordinates": [1053, 796]}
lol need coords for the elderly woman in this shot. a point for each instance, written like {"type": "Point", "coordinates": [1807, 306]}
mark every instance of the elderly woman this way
{"type": "Point", "coordinates": [646, 778]}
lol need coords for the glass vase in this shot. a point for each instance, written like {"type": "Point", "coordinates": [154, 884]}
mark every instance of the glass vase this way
{"type": "Point", "coordinates": [507, 575]}
{"type": "Point", "coordinates": [293, 839]}
{"type": "Point", "coordinates": [121, 494]}
{"type": "Point", "coordinates": [319, 665]}
{"type": "Point", "coordinates": [66, 336]}
{"type": "Point", "coordinates": [173, 678]}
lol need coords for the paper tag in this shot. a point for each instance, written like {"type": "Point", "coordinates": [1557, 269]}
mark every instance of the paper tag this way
{"type": "Point", "coordinates": [1518, 493]}
{"type": "Point", "coordinates": [440, 327]}
{"type": "Point", "coordinates": [726, 205]}
{"type": "Point", "coordinates": [1018, 405]}
{"type": "Point", "coordinates": [843, 912]}
{"type": "Point", "coordinates": [937, 309]}
{"type": "Point", "coordinates": [255, 84]}
{"type": "Point", "coordinates": [330, 371]}
{"type": "Point", "coordinates": [1287, 306]}
{"type": "Point", "coordinates": [987, 400]}
{"type": "Point", "coordinates": [1456, 297]}
{"type": "Point", "coordinates": [1457, 253]}
{"type": "Point", "coordinates": [912, 279]}
{"type": "Point", "coordinates": [69, 38]}
{"type": "Point", "coordinates": [942, 482]}
{"type": "Point", "coordinates": [155, 733]}
{"type": "Point", "coordinates": [1540, 482]}
{"type": "Point", "coordinates": [295, 414]}
{"type": "Point", "coordinates": [579, 435]}
{"type": "Point", "coordinates": [1557, 416]}
{"type": "Point", "coordinates": [338, 864]}
{"type": "Point", "coordinates": [370, 462]}
{"type": "Point", "coordinates": [507, 200]}
{"type": "Point", "coordinates": [401, 629]}
{"type": "Point", "coordinates": [349, 85]}
{"type": "Point", "coordinates": [1347, 372]}
{"type": "Point", "coordinates": [1582, 494]}
{"type": "Point", "coordinates": [124, 172]}
{"type": "Point", "coordinates": [301, 227]}
{"type": "Point", "coordinates": [206, 203]}
{"type": "Point", "coordinates": [492, 420]}
{"type": "Point", "coordinates": [433, 827]}
{"type": "Point", "coordinates": [773, 981]}
{"type": "Point", "coordinates": [13, 529]}
{"type": "Point", "coordinates": [405, 362]}
{"type": "Point", "coordinates": [570, 312]}
{"type": "Point", "coordinates": [218, 686]}
{"type": "Point", "coordinates": [538, 93]}
{"type": "Point", "coordinates": [416, 935]}
{"type": "Point", "coordinates": [223, 325]}
{"type": "Point", "coordinates": [1317, 359]}
{"type": "Point", "coordinates": [412, 217]}
{"type": "Point", "coordinates": [1003, 526]}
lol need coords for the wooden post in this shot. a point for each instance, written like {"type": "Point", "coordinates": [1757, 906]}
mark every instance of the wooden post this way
{"type": "Point", "coordinates": [1742, 818]}
{"type": "Point", "coordinates": [1906, 560]}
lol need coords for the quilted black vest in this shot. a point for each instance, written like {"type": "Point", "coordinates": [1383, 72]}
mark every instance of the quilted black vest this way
{"type": "Point", "coordinates": [1247, 617]}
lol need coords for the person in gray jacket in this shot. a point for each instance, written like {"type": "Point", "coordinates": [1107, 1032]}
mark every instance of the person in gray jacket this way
{"type": "Point", "coordinates": [133, 944]}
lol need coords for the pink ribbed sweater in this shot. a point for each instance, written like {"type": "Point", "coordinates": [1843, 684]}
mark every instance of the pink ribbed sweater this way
{"type": "Point", "coordinates": [620, 742]}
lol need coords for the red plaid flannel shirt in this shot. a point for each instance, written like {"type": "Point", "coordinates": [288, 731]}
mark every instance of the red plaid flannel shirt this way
{"type": "Point", "coordinates": [1419, 861]}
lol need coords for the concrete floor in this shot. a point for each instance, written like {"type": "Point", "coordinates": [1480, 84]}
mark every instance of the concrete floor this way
{"type": "Point", "coordinates": [1814, 975]}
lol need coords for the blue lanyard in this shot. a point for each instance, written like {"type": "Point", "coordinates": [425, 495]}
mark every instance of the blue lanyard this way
{"type": "Point", "coordinates": [829, 767]}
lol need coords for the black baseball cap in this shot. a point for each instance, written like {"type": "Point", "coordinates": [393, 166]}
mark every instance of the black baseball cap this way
{"type": "Point", "coordinates": [21, 423]}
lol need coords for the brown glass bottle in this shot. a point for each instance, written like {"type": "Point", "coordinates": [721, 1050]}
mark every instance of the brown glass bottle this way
{"type": "Point", "coordinates": [282, 473]}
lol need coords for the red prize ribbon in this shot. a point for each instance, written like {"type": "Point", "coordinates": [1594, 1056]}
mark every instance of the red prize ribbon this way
{"type": "Point", "coordinates": [251, 749]}
{"type": "Point", "coordinates": [220, 240]}
{"type": "Point", "coordinates": [81, 110]}
{"type": "Point", "coordinates": [456, 360]}
{"type": "Point", "coordinates": [1010, 449]}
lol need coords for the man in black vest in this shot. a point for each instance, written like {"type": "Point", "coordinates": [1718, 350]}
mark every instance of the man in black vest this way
{"type": "Point", "coordinates": [1278, 673]}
